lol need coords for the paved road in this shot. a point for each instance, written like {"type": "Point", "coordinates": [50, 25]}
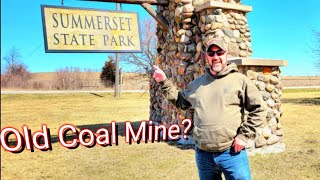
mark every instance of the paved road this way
{"type": "Point", "coordinates": [111, 91]}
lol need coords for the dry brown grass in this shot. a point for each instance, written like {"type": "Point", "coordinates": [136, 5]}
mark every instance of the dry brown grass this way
{"type": "Point", "coordinates": [144, 161]}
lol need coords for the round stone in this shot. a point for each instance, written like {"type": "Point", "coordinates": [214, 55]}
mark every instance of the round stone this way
{"type": "Point", "coordinates": [215, 25]}
{"type": "Point", "coordinates": [277, 114]}
{"type": "Point", "coordinates": [273, 129]}
{"type": "Point", "coordinates": [279, 132]}
{"type": "Point", "coordinates": [173, 47]}
{"type": "Point", "coordinates": [226, 24]}
{"type": "Point", "coordinates": [196, 30]}
{"type": "Point", "coordinates": [207, 27]}
{"type": "Point", "coordinates": [228, 32]}
{"type": "Point", "coordinates": [242, 46]}
{"type": "Point", "coordinates": [261, 141]}
{"type": "Point", "coordinates": [270, 87]}
{"type": "Point", "coordinates": [231, 21]}
{"type": "Point", "coordinates": [219, 33]}
{"type": "Point", "coordinates": [261, 85]}
{"type": "Point", "coordinates": [242, 31]}
{"type": "Point", "coordinates": [238, 40]}
{"type": "Point", "coordinates": [272, 139]}
{"type": "Point", "coordinates": [266, 78]}
{"type": "Point", "coordinates": [237, 16]}
{"type": "Point", "coordinates": [187, 26]}
{"type": "Point", "coordinates": [184, 39]}
{"type": "Point", "coordinates": [266, 95]}
{"type": "Point", "coordinates": [244, 18]}
{"type": "Point", "coordinates": [181, 32]}
{"type": "Point", "coordinates": [187, 15]}
{"type": "Point", "coordinates": [242, 22]}
{"type": "Point", "coordinates": [196, 67]}
{"type": "Point", "coordinates": [274, 95]}
{"type": "Point", "coordinates": [226, 39]}
{"type": "Point", "coordinates": [188, 8]}
{"type": "Point", "coordinates": [186, 20]}
{"type": "Point", "coordinates": [279, 86]}
{"type": "Point", "coordinates": [272, 122]}
{"type": "Point", "coordinates": [185, 1]}
{"type": "Point", "coordinates": [233, 48]}
{"type": "Point", "coordinates": [243, 54]}
{"type": "Point", "coordinates": [217, 11]}
{"type": "Point", "coordinates": [236, 33]}
{"type": "Point", "coordinates": [203, 19]}
{"type": "Point", "coordinates": [199, 46]}
{"type": "Point", "coordinates": [203, 28]}
{"type": "Point", "coordinates": [220, 18]}
{"type": "Point", "coordinates": [191, 48]}
{"type": "Point", "coordinates": [274, 80]}
{"type": "Point", "coordinates": [266, 132]}
{"type": "Point", "coordinates": [189, 33]}
{"type": "Point", "coordinates": [251, 74]}
{"type": "Point", "coordinates": [233, 40]}
{"type": "Point", "coordinates": [260, 77]}
{"type": "Point", "coordinates": [270, 103]}
{"type": "Point", "coordinates": [195, 75]}
{"type": "Point", "coordinates": [209, 19]}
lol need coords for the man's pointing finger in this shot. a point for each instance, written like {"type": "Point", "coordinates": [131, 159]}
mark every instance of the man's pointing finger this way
{"type": "Point", "coordinates": [156, 67]}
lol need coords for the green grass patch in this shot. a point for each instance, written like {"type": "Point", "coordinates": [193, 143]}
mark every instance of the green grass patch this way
{"type": "Point", "coordinates": [144, 161]}
{"type": "Point", "coordinates": [301, 90]}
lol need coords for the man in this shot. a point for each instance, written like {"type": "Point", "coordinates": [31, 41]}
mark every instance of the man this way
{"type": "Point", "coordinates": [219, 98]}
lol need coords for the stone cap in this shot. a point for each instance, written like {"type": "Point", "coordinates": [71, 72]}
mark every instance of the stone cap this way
{"type": "Point", "coordinates": [222, 5]}
{"type": "Point", "coordinates": [257, 62]}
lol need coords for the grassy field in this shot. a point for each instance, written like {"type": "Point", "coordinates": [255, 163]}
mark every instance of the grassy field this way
{"type": "Point", "coordinates": [301, 124]}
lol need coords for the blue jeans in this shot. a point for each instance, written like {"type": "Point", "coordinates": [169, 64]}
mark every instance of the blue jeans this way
{"type": "Point", "coordinates": [233, 165]}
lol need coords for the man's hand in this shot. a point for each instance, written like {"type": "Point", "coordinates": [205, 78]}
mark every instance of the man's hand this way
{"type": "Point", "coordinates": [158, 74]}
{"type": "Point", "coordinates": [238, 144]}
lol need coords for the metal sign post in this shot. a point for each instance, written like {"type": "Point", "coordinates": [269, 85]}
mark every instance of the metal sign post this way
{"type": "Point", "coordinates": [116, 87]}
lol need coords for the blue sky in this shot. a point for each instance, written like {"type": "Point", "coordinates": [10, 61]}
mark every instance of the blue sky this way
{"type": "Point", "coordinates": [279, 30]}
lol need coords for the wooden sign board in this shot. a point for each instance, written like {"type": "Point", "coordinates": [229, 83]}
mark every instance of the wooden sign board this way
{"type": "Point", "coordinates": [73, 30]}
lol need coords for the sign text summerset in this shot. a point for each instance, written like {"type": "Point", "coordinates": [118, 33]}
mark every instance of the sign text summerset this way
{"type": "Point", "coordinates": [69, 29]}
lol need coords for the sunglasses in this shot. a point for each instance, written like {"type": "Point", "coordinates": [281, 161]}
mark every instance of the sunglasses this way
{"type": "Point", "coordinates": [219, 53]}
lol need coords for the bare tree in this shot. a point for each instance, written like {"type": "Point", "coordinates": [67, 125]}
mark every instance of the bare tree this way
{"type": "Point", "coordinates": [143, 61]}
{"type": "Point", "coordinates": [16, 73]}
{"type": "Point", "coordinates": [68, 78]}
{"type": "Point", "coordinates": [12, 60]}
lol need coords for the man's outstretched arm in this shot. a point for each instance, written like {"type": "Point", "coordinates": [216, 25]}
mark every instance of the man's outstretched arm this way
{"type": "Point", "coordinates": [170, 92]}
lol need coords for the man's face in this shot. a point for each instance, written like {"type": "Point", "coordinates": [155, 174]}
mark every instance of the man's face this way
{"type": "Point", "coordinates": [216, 58]}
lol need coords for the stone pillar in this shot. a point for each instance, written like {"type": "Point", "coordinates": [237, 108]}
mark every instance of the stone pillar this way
{"type": "Point", "coordinates": [265, 74]}
{"type": "Point", "coordinates": [191, 25]}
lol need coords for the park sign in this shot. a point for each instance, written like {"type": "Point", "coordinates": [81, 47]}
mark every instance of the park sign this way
{"type": "Point", "coordinates": [68, 29]}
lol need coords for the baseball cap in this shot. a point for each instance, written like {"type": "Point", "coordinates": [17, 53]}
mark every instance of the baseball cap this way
{"type": "Point", "coordinates": [218, 42]}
